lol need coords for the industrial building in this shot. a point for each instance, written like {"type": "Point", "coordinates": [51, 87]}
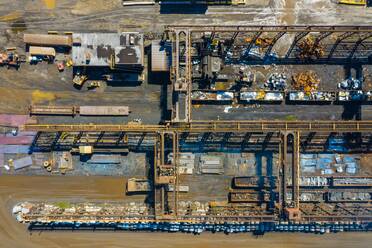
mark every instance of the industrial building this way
{"type": "Point", "coordinates": [116, 51]}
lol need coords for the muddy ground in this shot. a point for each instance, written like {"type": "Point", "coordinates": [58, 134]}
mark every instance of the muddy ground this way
{"type": "Point", "coordinates": [12, 234]}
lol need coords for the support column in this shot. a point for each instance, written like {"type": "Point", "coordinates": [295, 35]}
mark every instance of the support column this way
{"type": "Point", "coordinates": [188, 68]}
{"type": "Point", "coordinates": [296, 170]}
{"type": "Point", "coordinates": [176, 172]}
{"type": "Point", "coordinates": [283, 149]}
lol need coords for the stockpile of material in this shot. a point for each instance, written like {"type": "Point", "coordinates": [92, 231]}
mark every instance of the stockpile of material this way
{"type": "Point", "coordinates": [329, 163]}
{"type": "Point", "coordinates": [307, 196]}
{"type": "Point", "coordinates": [38, 215]}
{"type": "Point", "coordinates": [309, 48]}
{"type": "Point", "coordinates": [276, 81]}
{"type": "Point", "coordinates": [211, 164]}
{"type": "Point", "coordinates": [350, 84]}
{"type": "Point", "coordinates": [261, 96]}
{"type": "Point", "coordinates": [186, 162]}
{"type": "Point", "coordinates": [312, 96]}
{"type": "Point", "coordinates": [352, 181]}
{"type": "Point", "coordinates": [200, 95]}
{"type": "Point", "coordinates": [306, 81]}
{"type": "Point", "coordinates": [313, 181]}
{"type": "Point", "coordinates": [138, 185]}
{"type": "Point", "coordinates": [82, 211]}
{"type": "Point", "coordinates": [350, 196]}
{"type": "Point", "coordinates": [195, 208]}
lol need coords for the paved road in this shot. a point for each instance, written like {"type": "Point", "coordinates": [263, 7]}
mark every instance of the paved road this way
{"type": "Point", "coordinates": [110, 16]}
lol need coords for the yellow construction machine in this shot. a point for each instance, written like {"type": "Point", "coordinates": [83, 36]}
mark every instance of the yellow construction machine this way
{"type": "Point", "coordinates": [79, 80]}
{"type": "Point", "coordinates": [354, 2]}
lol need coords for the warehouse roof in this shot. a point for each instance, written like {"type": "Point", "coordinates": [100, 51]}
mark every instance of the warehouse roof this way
{"type": "Point", "coordinates": [97, 49]}
{"type": "Point", "coordinates": [47, 51]}
{"type": "Point", "coordinates": [47, 40]}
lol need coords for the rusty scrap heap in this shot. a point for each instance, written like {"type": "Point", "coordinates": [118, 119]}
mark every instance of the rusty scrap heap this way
{"type": "Point", "coordinates": [310, 48]}
{"type": "Point", "coordinates": [260, 42]}
{"type": "Point", "coordinates": [306, 81]}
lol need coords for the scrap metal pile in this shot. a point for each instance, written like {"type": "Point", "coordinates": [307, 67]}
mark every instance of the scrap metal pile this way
{"type": "Point", "coordinates": [310, 48]}
{"type": "Point", "coordinates": [27, 211]}
{"type": "Point", "coordinates": [306, 81]}
{"type": "Point", "coordinates": [276, 81]}
{"type": "Point", "coordinates": [260, 42]}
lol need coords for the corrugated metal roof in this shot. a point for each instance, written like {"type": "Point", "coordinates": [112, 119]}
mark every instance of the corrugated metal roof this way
{"type": "Point", "coordinates": [97, 49]}
{"type": "Point", "coordinates": [160, 61]}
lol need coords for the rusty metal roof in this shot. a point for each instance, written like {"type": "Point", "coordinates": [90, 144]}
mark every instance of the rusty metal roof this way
{"type": "Point", "coordinates": [47, 39]}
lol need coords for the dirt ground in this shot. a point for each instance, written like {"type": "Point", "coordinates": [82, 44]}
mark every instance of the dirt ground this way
{"type": "Point", "coordinates": [19, 188]}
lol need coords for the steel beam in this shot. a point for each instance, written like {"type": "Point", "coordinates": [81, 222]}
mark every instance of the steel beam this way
{"type": "Point", "coordinates": [357, 44]}
{"type": "Point", "coordinates": [176, 167]}
{"type": "Point", "coordinates": [297, 38]}
{"type": "Point", "coordinates": [212, 126]}
{"type": "Point", "coordinates": [341, 38]}
{"type": "Point", "coordinates": [253, 41]}
{"type": "Point", "coordinates": [283, 170]}
{"type": "Point", "coordinates": [270, 28]}
{"type": "Point", "coordinates": [296, 170]}
{"type": "Point", "coordinates": [188, 77]}
{"type": "Point", "coordinates": [275, 39]}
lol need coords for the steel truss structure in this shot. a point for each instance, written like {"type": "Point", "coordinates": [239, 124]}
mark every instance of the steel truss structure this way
{"type": "Point", "coordinates": [289, 140]}
{"type": "Point", "coordinates": [342, 45]}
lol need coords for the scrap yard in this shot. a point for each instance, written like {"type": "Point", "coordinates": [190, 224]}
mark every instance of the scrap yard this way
{"type": "Point", "coordinates": [195, 117]}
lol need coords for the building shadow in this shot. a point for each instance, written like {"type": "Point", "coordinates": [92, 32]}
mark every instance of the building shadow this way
{"type": "Point", "coordinates": [183, 9]}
